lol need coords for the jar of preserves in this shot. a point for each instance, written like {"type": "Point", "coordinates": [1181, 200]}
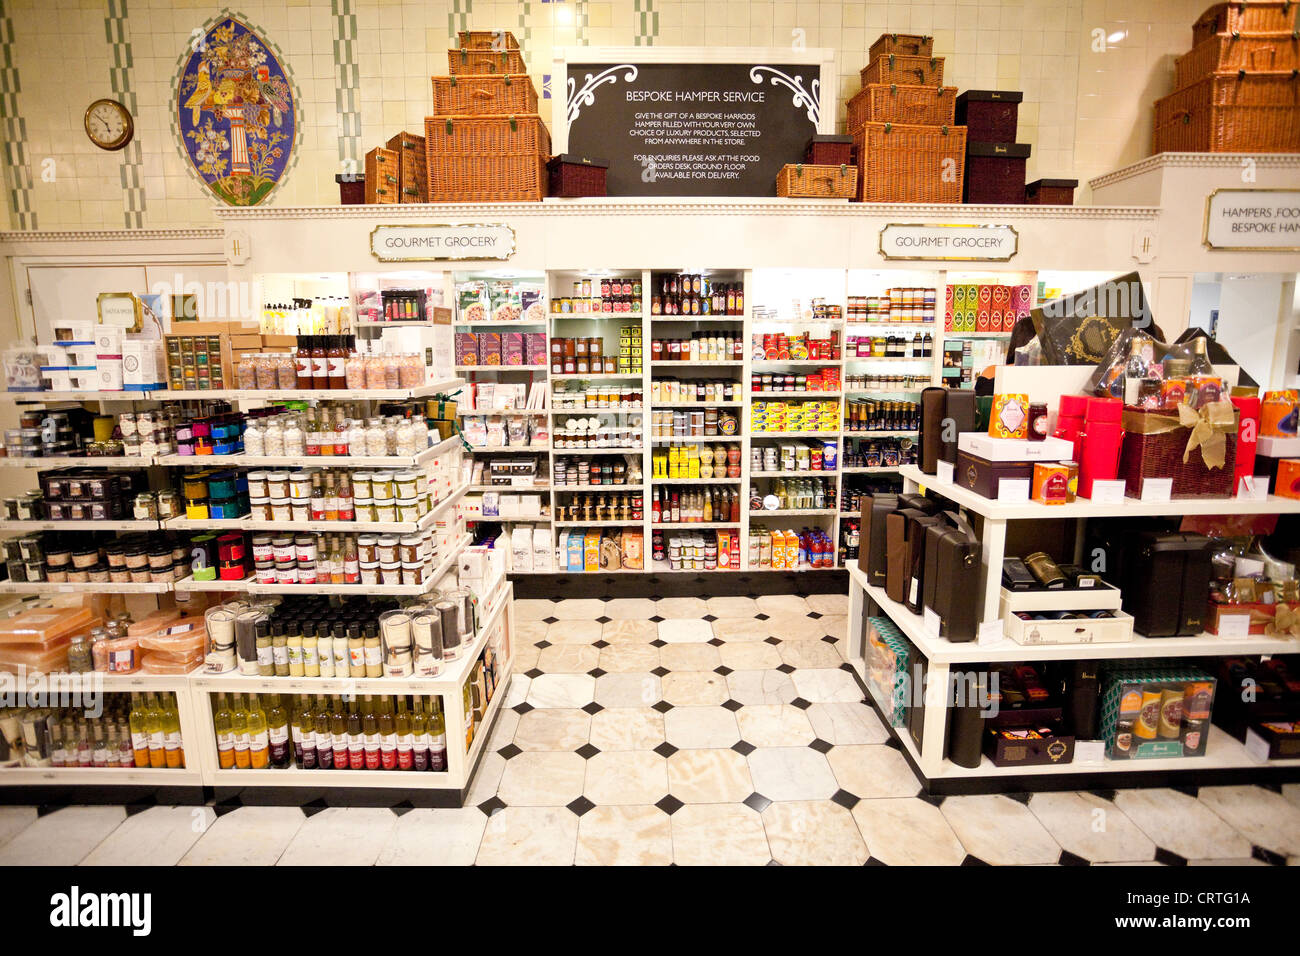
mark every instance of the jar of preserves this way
{"type": "Point", "coordinates": [146, 507]}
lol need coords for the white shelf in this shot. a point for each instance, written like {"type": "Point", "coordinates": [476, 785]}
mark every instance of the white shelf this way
{"type": "Point", "coordinates": [502, 368]}
{"type": "Point", "coordinates": [328, 461]}
{"type": "Point", "coordinates": [95, 587]}
{"type": "Point", "coordinates": [823, 434]}
{"type": "Point", "coordinates": [495, 324]}
{"type": "Point", "coordinates": [885, 433]}
{"type": "Point", "coordinates": [777, 363]}
{"type": "Point", "coordinates": [504, 412]}
{"type": "Point", "coordinates": [793, 474]}
{"type": "Point", "coordinates": [110, 524]}
{"type": "Point", "coordinates": [904, 390]}
{"type": "Point", "coordinates": [507, 449]}
{"type": "Point", "coordinates": [304, 395]}
{"type": "Point", "coordinates": [888, 324]}
{"type": "Point", "coordinates": [888, 358]}
{"type": "Point", "coordinates": [696, 363]}
{"type": "Point", "coordinates": [393, 324]}
{"type": "Point", "coordinates": [697, 481]}
{"type": "Point", "coordinates": [803, 394]}
{"type": "Point", "coordinates": [246, 523]}
{"type": "Point", "coordinates": [65, 461]}
{"type": "Point", "coordinates": [88, 396]}
{"type": "Point", "coordinates": [583, 376]}
{"type": "Point", "coordinates": [598, 451]}
{"type": "Point", "coordinates": [512, 489]}
{"type": "Point", "coordinates": [104, 776]}
{"type": "Point", "coordinates": [621, 410]}
{"type": "Point", "coordinates": [630, 523]}
{"type": "Point", "coordinates": [693, 525]}
{"type": "Point", "coordinates": [697, 318]}
{"type": "Point", "coordinates": [736, 404]}
{"type": "Point", "coordinates": [1084, 508]}
{"type": "Point", "coordinates": [597, 488]}
{"type": "Point", "coordinates": [872, 470]}
{"type": "Point", "coordinates": [670, 439]}
{"type": "Point", "coordinates": [792, 512]}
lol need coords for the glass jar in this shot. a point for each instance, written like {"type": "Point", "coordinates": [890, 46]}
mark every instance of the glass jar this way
{"type": "Point", "coordinates": [356, 436]}
{"type": "Point", "coordinates": [392, 374]}
{"type": "Point", "coordinates": [411, 371]}
{"type": "Point", "coordinates": [273, 439]}
{"type": "Point", "coordinates": [375, 375]}
{"type": "Point", "coordinates": [246, 372]}
{"type": "Point", "coordinates": [354, 371]}
{"type": "Point", "coordinates": [376, 438]}
{"type": "Point", "coordinates": [405, 442]}
{"type": "Point", "coordinates": [286, 372]}
{"type": "Point", "coordinates": [265, 369]}
{"type": "Point", "coordinates": [146, 507]}
{"type": "Point", "coordinates": [79, 656]}
{"type": "Point", "coordinates": [295, 439]}
{"type": "Point", "coordinates": [169, 504]}
{"type": "Point", "coordinates": [255, 438]}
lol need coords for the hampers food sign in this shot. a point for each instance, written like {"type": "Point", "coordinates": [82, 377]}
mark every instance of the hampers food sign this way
{"type": "Point", "coordinates": [421, 243]}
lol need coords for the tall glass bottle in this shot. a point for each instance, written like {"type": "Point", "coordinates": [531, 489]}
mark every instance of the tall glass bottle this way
{"type": "Point", "coordinates": [153, 721]}
{"type": "Point", "coordinates": [339, 733]}
{"type": "Point", "coordinates": [139, 732]}
{"type": "Point", "coordinates": [387, 735]}
{"type": "Point", "coordinates": [324, 736]}
{"type": "Point", "coordinates": [221, 725]}
{"type": "Point", "coordinates": [405, 740]}
{"type": "Point", "coordinates": [437, 737]}
{"type": "Point", "coordinates": [277, 733]}
{"type": "Point", "coordinates": [259, 744]}
{"type": "Point", "coordinates": [370, 727]}
{"type": "Point", "coordinates": [239, 729]}
{"type": "Point", "coordinates": [356, 738]}
{"type": "Point", "coordinates": [420, 736]}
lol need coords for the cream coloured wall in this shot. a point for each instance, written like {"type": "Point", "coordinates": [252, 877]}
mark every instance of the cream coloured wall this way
{"type": "Point", "coordinates": [1086, 110]}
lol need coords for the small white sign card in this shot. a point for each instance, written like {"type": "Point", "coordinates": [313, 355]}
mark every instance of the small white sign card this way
{"type": "Point", "coordinates": [944, 471]}
{"type": "Point", "coordinates": [1013, 489]}
{"type": "Point", "coordinates": [990, 632]}
{"type": "Point", "coordinates": [1110, 492]}
{"type": "Point", "coordinates": [1157, 489]}
{"type": "Point", "coordinates": [1254, 487]}
{"type": "Point", "coordinates": [1234, 626]}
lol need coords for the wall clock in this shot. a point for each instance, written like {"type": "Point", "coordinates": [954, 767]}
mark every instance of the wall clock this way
{"type": "Point", "coordinates": [109, 124]}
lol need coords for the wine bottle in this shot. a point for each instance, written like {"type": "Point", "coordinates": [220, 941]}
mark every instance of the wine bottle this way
{"type": "Point", "coordinates": [259, 744]}
{"type": "Point", "coordinates": [239, 730]}
{"type": "Point", "coordinates": [277, 732]}
{"type": "Point", "coordinates": [173, 750]}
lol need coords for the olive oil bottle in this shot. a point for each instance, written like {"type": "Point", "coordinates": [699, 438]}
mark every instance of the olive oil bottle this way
{"type": "Point", "coordinates": [387, 735]}
{"type": "Point", "coordinates": [437, 737]}
{"type": "Point", "coordinates": [153, 722]}
{"type": "Point", "coordinates": [405, 739]}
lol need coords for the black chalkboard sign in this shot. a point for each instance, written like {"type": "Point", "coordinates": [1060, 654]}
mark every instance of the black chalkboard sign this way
{"type": "Point", "coordinates": [693, 129]}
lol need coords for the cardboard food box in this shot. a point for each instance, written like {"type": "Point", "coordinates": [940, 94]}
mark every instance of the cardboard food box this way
{"type": "Point", "coordinates": [1028, 746]}
{"type": "Point", "coordinates": [984, 477]}
{"type": "Point", "coordinates": [1274, 740]}
{"type": "Point", "coordinates": [889, 658]}
{"type": "Point", "coordinates": [1156, 711]}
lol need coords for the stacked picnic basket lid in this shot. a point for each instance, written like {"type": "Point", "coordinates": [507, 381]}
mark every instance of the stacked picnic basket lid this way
{"type": "Point", "coordinates": [908, 147]}
{"type": "Point", "coordinates": [485, 141]}
{"type": "Point", "coordinates": [1238, 90]}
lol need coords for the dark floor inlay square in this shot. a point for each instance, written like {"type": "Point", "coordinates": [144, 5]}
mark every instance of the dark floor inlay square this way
{"type": "Point", "coordinates": [492, 805]}
{"type": "Point", "coordinates": [772, 640]}
{"type": "Point", "coordinates": [757, 802]}
{"type": "Point", "coordinates": [509, 751]}
{"type": "Point", "coordinates": [602, 644]}
{"type": "Point", "coordinates": [785, 668]}
{"type": "Point", "coordinates": [722, 669]}
{"type": "Point", "coordinates": [225, 806]}
{"type": "Point", "coordinates": [550, 620]}
{"type": "Point", "coordinates": [1169, 857]}
{"type": "Point", "coordinates": [593, 708]}
{"type": "Point", "coordinates": [1069, 859]}
{"type": "Point", "coordinates": [658, 643]}
{"type": "Point", "coordinates": [1268, 856]}
{"type": "Point", "coordinates": [815, 615]}
{"type": "Point", "coordinates": [761, 616]}
{"type": "Point", "coordinates": [973, 861]}
{"type": "Point", "coordinates": [661, 671]}
{"type": "Point", "coordinates": [708, 617]}
{"type": "Point", "coordinates": [603, 619]}
{"type": "Point", "coordinates": [580, 806]}
{"type": "Point", "coordinates": [139, 806]}
{"type": "Point", "coordinates": [771, 863]}
{"type": "Point", "coordinates": [665, 749]}
{"type": "Point", "coordinates": [829, 639]}
{"type": "Point", "coordinates": [587, 751]}
{"type": "Point", "coordinates": [821, 746]}
{"type": "Point", "coordinates": [1019, 797]}
{"type": "Point", "coordinates": [595, 672]}
{"type": "Point", "coordinates": [743, 747]}
{"type": "Point", "coordinates": [732, 705]}
{"type": "Point", "coordinates": [534, 673]}
{"type": "Point", "coordinates": [933, 799]}
{"type": "Point", "coordinates": [670, 804]}
{"type": "Point", "coordinates": [801, 703]}
{"type": "Point", "coordinates": [403, 808]}
{"type": "Point", "coordinates": [522, 708]}
{"type": "Point", "coordinates": [845, 799]}
{"type": "Point", "coordinates": [657, 619]}
{"type": "Point", "coordinates": [542, 645]}
{"type": "Point", "coordinates": [1104, 794]}
{"type": "Point", "coordinates": [316, 806]}
{"type": "Point", "coordinates": [663, 706]}
{"type": "Point", "coordinates": [716, 641]}
{"type": "Point", "coordinates": [872, 861]}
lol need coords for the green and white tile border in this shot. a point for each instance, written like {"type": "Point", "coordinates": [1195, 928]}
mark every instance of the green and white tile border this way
{"type": "Point", "coordinates": [17, 163]}
{"type": "Point", "coordinates": [647, 22]}
{"type": "Point", "coordinates": [118, 34]}
{"type": "Point", "coordinates": [347, 91]}
{"type": "Point", "coordinates": [458, 17]}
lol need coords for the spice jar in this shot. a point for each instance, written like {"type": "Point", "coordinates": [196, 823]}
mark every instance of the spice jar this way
{"type": "Point", "coordinates": [146, 507]}
{"type": "Point", "coordinates": [376, 439]}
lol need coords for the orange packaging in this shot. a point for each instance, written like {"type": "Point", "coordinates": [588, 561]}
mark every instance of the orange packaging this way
{"type": "Point", "coordinates": [1279, 414]}
{"type": "Point", "coordinates": [118, 655]}
{"type": "Point", "coordinates": [1052, 484]}
{"type": "Point", "coordinates": [46, 625]}
{"type": "Point", "coordinates": [1288, 478]}
{"type": "Point", "coordinates": [1010, 417]}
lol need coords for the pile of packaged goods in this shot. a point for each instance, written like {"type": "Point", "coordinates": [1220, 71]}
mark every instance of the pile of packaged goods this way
{"type": "Point", "coordinates": [795, 346]}
{"type": "Point", "coordinates": [700, 347]}
{"type": "Point", "coordinates": [597, 470]}
{"type": "Point", "coordinates": [628, 508]}
{"type": "Point", "coordinates": [506, 431]}
{"type": "Point", "coordinates": [816, 380]}
{"type": "Point", "coordinates": [501, 349]}
{"type": "Point", "coordinates": [692, 294]}
{"type": "Point", "coordinates": [863, 415]}
{"type": "Point", "coordinates": [593, 432]}
{"type": "Point", "coordinates": [63, 433]}
{"type": "Point", "coordinates": [135, 731]}
{"type": "Point", "coordinates": [590, 355]}
{"type": "Point", "coordinates": [696, 461]}
{"type": "Point", "coordinates": [789, 458]}
{"type": "Point", "coordinates": [75, 494]}
{"type": "Point", "coordinates": [696, 551]}
{"type": "Point", "coordinates": [672, 391]}
{"type": "Point", "coordinates": [793, 494]}
{"type": "Point", "coordinates": [500, 300]}
{"type": "Point", "coordinates": [669, 506]}
{"type": "Point", "coordinates": [878, 452]}
{"type": "Point", "coordinates": [775, 550]}
{"type": "Point", "coordinates": [96, 557]}
{"type": "Point", "coordinates": [603, 296]}
{"type": "Point", "coordinates": [78, 640]}
{"type": "Point", "coordinates": [695, 423]}
{"type": "Point", "coordinates": [567, 396]}
{"type": "Point", "coordinates": [798, 416]}
{"type": "Point", "coordinates": [895, 305]}
{"type": "Point", "coordinates": [890, 346]}
{"type": "Point", "coordinates": [607, 549]}
{"type": "Point", "coordinates": [985, 307]}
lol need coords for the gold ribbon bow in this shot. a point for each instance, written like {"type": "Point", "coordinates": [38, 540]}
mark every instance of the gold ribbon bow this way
{"type": "Point", "coordinates": [1210, 425]}
{"type": "Point", "coordinates": [1285, 623]}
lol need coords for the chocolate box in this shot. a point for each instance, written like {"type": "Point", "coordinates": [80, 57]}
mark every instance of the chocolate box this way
{"type": "Point", "coordinates": [1136, 695]}
{"type": "Point", "coordinates": [829, 149]}
{"type": "Point", "coordinates": [1051, 192]}
{"type": "Point", "coordinates": [995, 173]}
{"type": "Point", "coordinates": [990, 116]}
{"type": "Point", "coordinates": [1274, 740]}
{"type": "Point", "coordinates": [1028, 746]}
{"type": "Point", "coordinates": [984, 477]}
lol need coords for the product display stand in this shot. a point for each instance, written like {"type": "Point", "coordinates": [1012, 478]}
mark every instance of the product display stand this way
{"type": "Point", "coordinates": [201, 776]}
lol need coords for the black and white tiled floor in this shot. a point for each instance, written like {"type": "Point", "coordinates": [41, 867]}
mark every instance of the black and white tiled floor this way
{"type": "Point", "coordinates": [685, 730]}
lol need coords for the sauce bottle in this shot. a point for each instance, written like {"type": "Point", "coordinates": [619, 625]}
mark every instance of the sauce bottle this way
{"type": "Point", "coordinates": [302, 363]}
{"type": "Point", "coordinates": [320, 373]}
{"type": "Point", "coordinates": [337, 359]}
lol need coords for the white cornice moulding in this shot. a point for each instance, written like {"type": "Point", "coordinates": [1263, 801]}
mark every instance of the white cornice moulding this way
{"type": "Point", "coordinates": [1197, 161]}
{"type": "Point", "coordinates": [559, 209]}
{"type": "Point", "coordinates": [110, 235]}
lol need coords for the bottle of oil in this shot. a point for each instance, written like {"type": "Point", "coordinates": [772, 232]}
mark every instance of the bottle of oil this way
{"type": "Point", "coordinates": [420, 736]}
{"type": "Point", "coordinates": [370, 727]}
{"type": "Point", "coordinates": [153, 722]}
{"type": "Point", "coordinates": [437, 738]}
{"type": "Point", "coordinates": [356, 738]}
{"type": "Point", "coordinates": [405, 739]}
{"type": "Point", "coordinates": [387, 735]}
{"type": "Point", "coordinates": [339, 733]}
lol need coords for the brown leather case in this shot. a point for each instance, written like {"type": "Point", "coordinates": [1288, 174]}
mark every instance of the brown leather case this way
{"type": "Point", "coordinates": [898, 555]}
{"type": "Point", "coordinates": [917, 526]}
{"type": "Point", "coordinates": [933, 403]}
{"type": "Point", "coordinates": [961, 409]}
{"type": "Point", "coordinates": [871, 547]}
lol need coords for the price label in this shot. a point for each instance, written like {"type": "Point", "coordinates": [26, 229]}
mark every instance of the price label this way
{"type": "Point", "coordinates": [930, 622]}
{"type": "Point", "coordinates": [990, 632]}
{"type": "Point", "coordinates": [1234, 626]}
{"type": "Point", "coordinates": [1013, 489]}
{"type": "Point", "coordinates": [944, 471]}
{"type": "Point", "coordinates": [1089, 751]}
{"type": "Point", "coordinates": [1109, 492]}
{"type": "Point", "coordinates": [1157, 489]}
{"type": "Point", "coordinates": [1253, 487]}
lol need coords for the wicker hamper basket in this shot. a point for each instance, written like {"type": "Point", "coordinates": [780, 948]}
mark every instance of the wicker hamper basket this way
{"type": "Point", "coordinates": [910, 105]}
{"type": "Point", "coordinates": [898, 163]}
{"type": "Point", "coordinates": [469, 62]}
{"type": "Point", "coordinates": [1246, 16]}
{"type": "Point", "coordinates": [1261, 53]}
{"type": "Point", "coordinates": [484, 94]}
{"type": "Point", "coordinates": [1160, 455]}
{"type": "Point", "coordinates": [1231, 113]}
{"type": "Point", "coordinates": [909, 44]}
{"type": "Point", "coordinates": [486, 40]}
{"type": "Point", "coordinates": [904, 70]}
{"type": "Point", "coordinates": [797, 180]}
{"type": "Point", "coordinates": [487, 158]}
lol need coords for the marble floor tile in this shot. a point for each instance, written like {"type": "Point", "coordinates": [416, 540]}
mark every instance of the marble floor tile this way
{"type": "Point", "coordinates": [534, 609]}
{"type": "Point", "coordinates": [813, 833]}
{"type": "Point", "coordinates": [486, 779]}
{"type": "Point", "coordinates": [836, 626]}
{"type": "Point", "coordinates": [526, 656]}
{"type": "Point", "coordinates": [774, 725]}
{"type": "Point", "coordinates": [625, 836]}
{"type": "Point", "coordinates": [709, 776]}
{"type": "Point", "coordinates": [159, 836]}
{"type": "Point", "coordinates": [517, 692]}
{"type": "Point", "coordinates": [685, 631]}
{"type": "Point", "coordinates": [795, 627]}
{"type": "Point", "coordinates": [761, 687]}
{"type": "Point", "coordinates": [628, 690]}
{"type": "Point", "coordinates": [627, 728]}
{"type": "Point", "coordinates": [701, 728]}
{"type": "Point", "coordinates": [782, 604]}
{"type": "Point", "coordinates": [1292, 792]}
{"type": "Point", "coordinates": [629, 632]}
{"type": "Point", "coordinates": [749, 656]}
{"type": "Point", "coordinates": [340, 836]}
{"type": "Point", "coordinates": [828, 603]}
{"type": "Point", "coordinates": [908, 832]}
{"type": "Point", "coordinates": [847, 724]}
{"type": "Point", "coordinates": [809, 654]}
{"type": "Point", "coordinates": [629, 658]}
{"type": "Point", "coordinates": [574, 632]}
{"type": "Point", "coordinates": [626, 777]}
{"type": "Point", "coordinates": [873, 770]}
{"type": "Point", "coordinates": [629, 609]}
{"type": "Point", "coordinates": [719, 835]}
{"type": "Point", "coordinates": [791, 773]}
{"type": "Point", "coordinates": [529, 836]}
{"type": "Point", "coordinates": [1243, 861]}
{"type": "Point", "coordinates": [578, 609]}
{"type": "Point", "coordinates": [732, 606]}
{"type": "Point", "coordinates": [503, 729]}
{"type": "Point", "coordinates": [1265, 818]}
{"type": "Point", "coordinates": [561, 690]}
{"type": "Point", "coordinates": [428, 837]}
{"type": "Point", "coordinates": [250, 836]}
{"type": "Point", "coordinates": [552, 728]}
{"type": "Point", "coordinates": [13, 820]}
{"type": "Point", "coordinates": [568, 658]}
{"type": "Point", "coordinates": [530, 632]}
{"type": "Point", "coordinates": [694, 688]}
{"type": "Point", "coordinates": [542, 779]}
{"type": "Point", "coordinates": [999, 830]}
{"type": "Point", "coordinates": [689, 657]}
{"type": "Point", "coordinates": [62, 838]}
{"type": "Point", "coordinates": [683, 607]}
{"type": "Point", "coordinates": [1090, 827]}
{"type": "Point", "coordinates": [740, 629]}
{"type": "Point", "coordinates": [827, 686]}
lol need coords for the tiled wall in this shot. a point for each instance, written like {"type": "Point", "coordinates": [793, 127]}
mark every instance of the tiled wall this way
{"type": "Point", "coordinates": [362, 70]}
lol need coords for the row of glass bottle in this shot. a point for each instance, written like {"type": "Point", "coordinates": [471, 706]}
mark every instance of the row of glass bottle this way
{"type": "Point", "coordinates": [326, 431]}
{"type": "Point", "coordinates": [148, 735]}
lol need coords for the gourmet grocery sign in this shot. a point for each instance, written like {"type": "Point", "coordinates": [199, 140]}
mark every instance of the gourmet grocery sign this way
{"type": "Point", "coordinates": [424, 243]}
{"type": "Point", "coordinates": [949, 242]}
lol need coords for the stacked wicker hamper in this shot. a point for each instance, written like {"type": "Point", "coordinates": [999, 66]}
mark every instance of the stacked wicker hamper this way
{"type": "Point", "coordinates": [485, 141]}
{"type": "Point", "coordinates": [908, 149]}
{"type": "Point", "coordinates": [1237, 91]}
